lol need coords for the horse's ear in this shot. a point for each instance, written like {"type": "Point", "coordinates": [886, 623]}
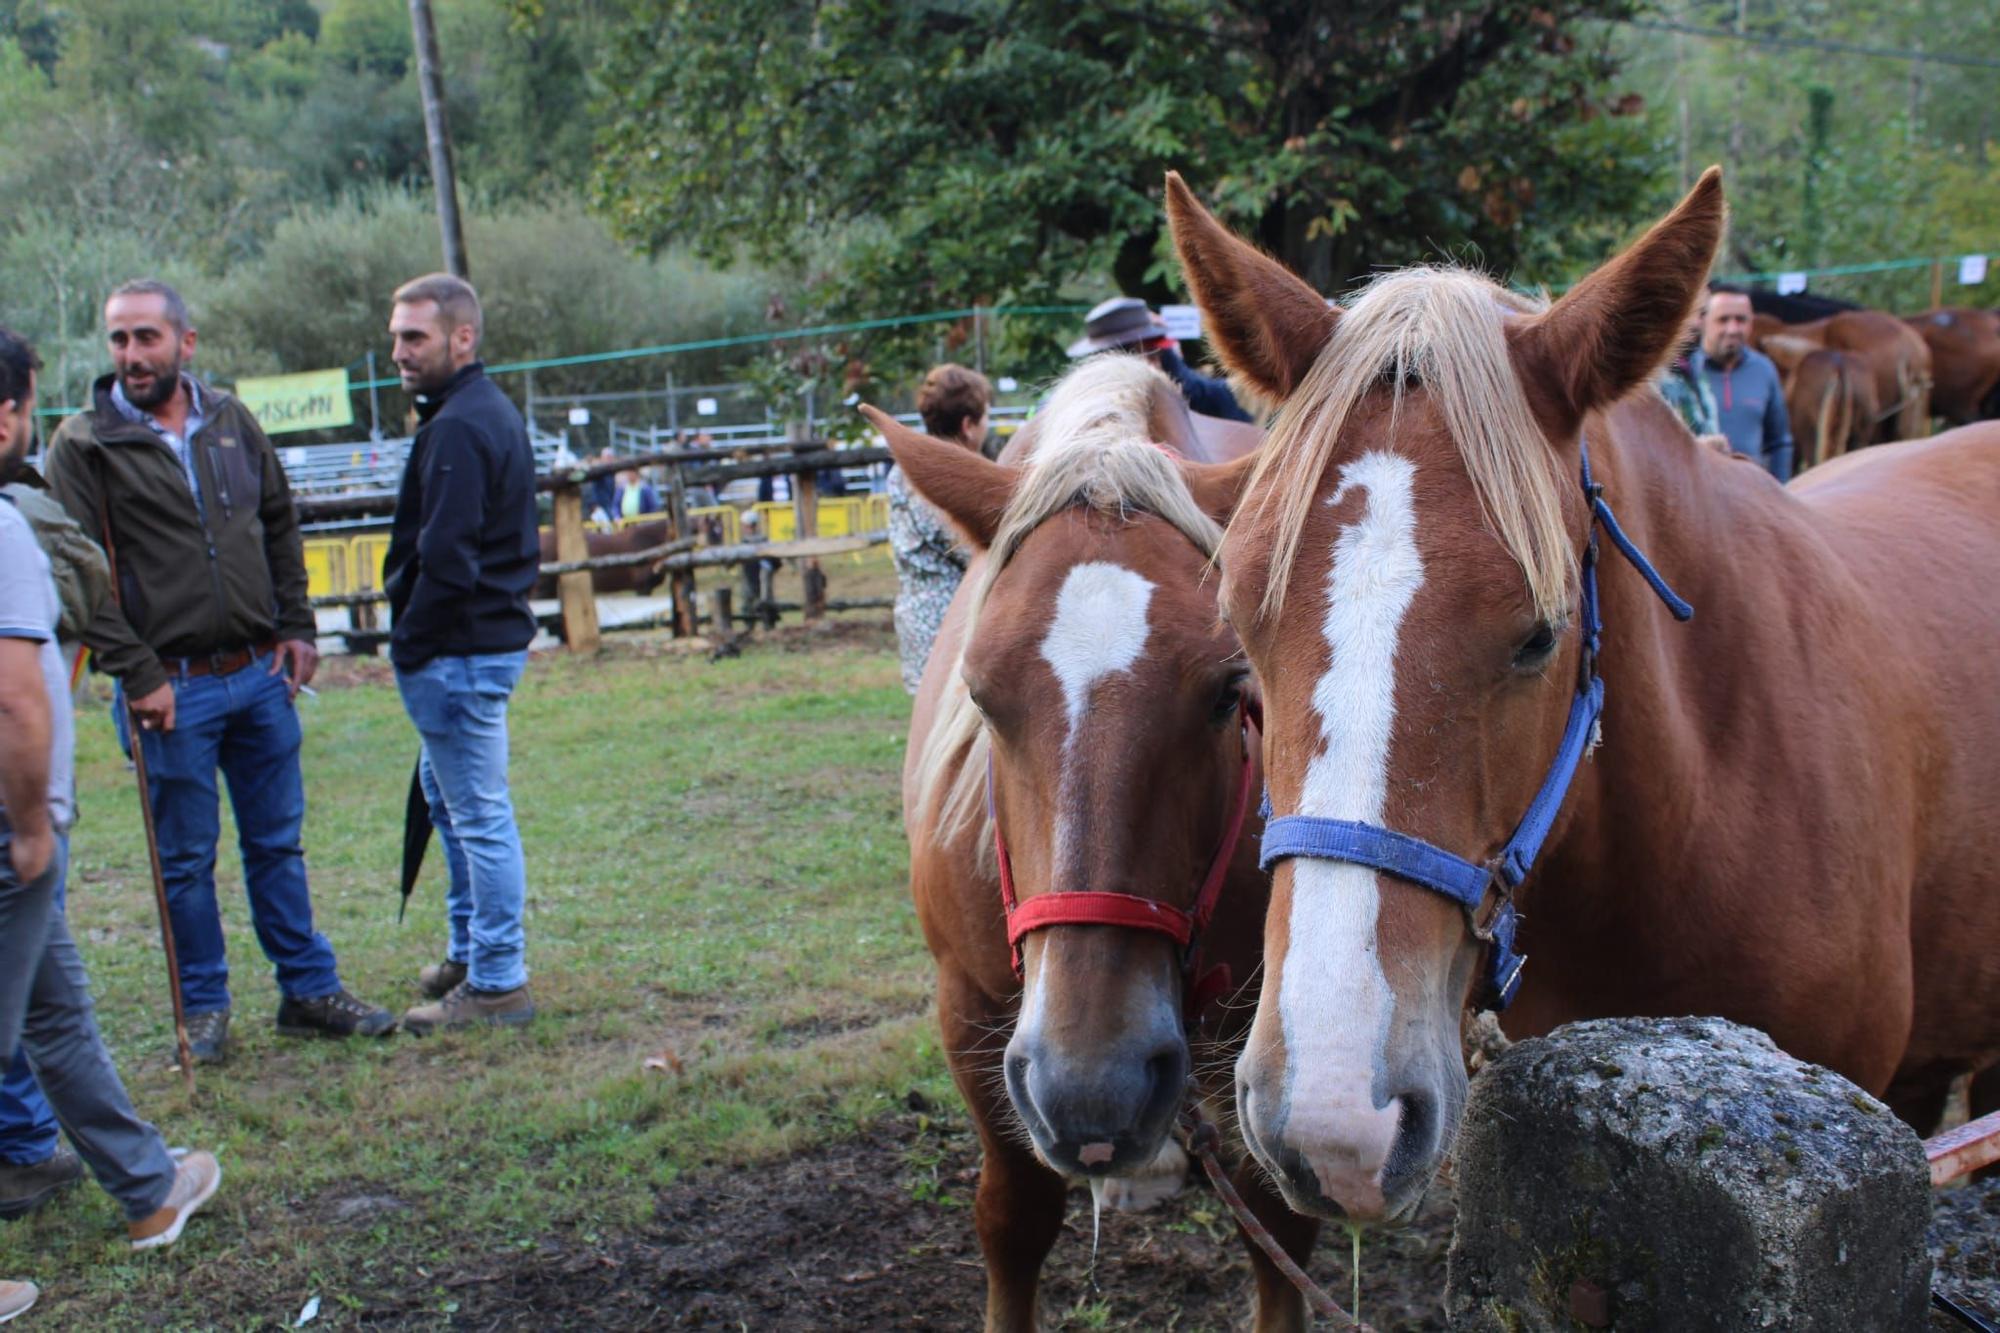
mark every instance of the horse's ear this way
{"type": "Point", "coordinates": [1614, 330]}
{"type": "Point", "coordinates": [1267, 325]}
{"type": "Point", "coordinates": [967, 488]}
{"type": "Point", "coordinates": [1218, 486]}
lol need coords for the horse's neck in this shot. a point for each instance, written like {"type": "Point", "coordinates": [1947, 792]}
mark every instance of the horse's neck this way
{"type": "Point", "coordinates": [1731, 544]}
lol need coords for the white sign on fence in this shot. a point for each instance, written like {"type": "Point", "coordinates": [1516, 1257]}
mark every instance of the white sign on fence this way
{"type": "Point", "coordinates": [1971, 270]}
{"type": "Point", "coordinates": [1791, 284]}
{"type": "Point", "coordinates": [706, 407]}
{"type": "Point", "coordinates": [1183, 321]}
{"type": "Point", "coordinates": [1007, 384]}
{"type": "Point", "coordinates": [579, 416]}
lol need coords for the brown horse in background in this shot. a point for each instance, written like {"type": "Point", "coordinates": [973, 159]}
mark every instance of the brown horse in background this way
{"type": "Point", "coordinates": [1084, 698]}
{"type": "Point", "coordinates": [1898, 359]}
{"type": "Point", "coordinates": [1829, 395]}
{"type": "Point", "coordinates": [1965, 362]}
{"type": "Point", "coordinates": [622, 541]}
{"type": "Point", "coordinates": [1789, 821]}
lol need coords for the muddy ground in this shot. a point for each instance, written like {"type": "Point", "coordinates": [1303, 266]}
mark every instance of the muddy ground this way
{"type": "Point", "coordinates": [876, 1233]}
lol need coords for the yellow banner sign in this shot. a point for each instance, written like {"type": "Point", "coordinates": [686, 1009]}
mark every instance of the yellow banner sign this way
{"type": "Point", "coordinates": [308, 401]}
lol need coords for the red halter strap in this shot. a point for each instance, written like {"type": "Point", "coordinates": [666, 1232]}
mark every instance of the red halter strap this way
{"type": "Point", "coordinates": [1128, 911]}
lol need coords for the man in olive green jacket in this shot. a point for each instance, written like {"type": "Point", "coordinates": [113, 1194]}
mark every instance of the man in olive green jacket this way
{"type": "Point", "coordinates": [210, 636]}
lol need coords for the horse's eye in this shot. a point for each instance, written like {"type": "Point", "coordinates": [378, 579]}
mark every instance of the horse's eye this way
{"type": "Point", "coordinates": [1230, 699]}
{"type": "Point", "coordinates": [1535, 649]}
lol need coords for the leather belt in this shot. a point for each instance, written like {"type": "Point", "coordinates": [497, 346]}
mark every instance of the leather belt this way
{"type": "Point", "coordinates": [223, 663]}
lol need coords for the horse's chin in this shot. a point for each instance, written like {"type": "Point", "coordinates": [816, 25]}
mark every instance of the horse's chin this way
{"type": "Point", "coordinates": [1128, 1156]}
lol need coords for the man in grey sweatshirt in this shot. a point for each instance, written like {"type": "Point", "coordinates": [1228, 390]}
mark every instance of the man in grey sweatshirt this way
{"type": "Point", "coordinates": [1749, 394]}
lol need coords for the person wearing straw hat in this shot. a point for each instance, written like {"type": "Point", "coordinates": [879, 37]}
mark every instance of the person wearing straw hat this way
{"type": "Point", "coordinates": [1127, 324]}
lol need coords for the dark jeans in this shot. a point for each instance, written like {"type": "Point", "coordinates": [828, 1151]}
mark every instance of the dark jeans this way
{"type": "Point", "coordinates": [244, 723]}
{"type": "Point", "coordinates": [45, 1006]}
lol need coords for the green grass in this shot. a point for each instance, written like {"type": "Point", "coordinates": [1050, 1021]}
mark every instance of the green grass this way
{"type": "Point", "coordinates": [716, 868]}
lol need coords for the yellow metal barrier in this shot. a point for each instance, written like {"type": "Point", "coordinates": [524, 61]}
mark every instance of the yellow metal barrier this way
{"type": "Point", "coordinates": [839, 516]}
{"type": "Point", "coordinates": [327, 568]}
{"type": "Point", "coordinates": [775, 517]}
{"type": "Point", "coordinates": [365, 559]}
{"type": "Point", "coordinates": [732, 526]}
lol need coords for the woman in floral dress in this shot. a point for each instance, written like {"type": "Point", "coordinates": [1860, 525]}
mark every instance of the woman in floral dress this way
{"type": "Point", "coordinates": [953, 403]}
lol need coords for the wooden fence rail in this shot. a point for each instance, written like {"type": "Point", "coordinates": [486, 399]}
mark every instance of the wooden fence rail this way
{"type": "Point", "coordinates": [680, 555]}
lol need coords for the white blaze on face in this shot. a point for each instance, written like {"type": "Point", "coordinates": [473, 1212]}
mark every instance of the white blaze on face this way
{"type": "Point", "coordinates": [1334, 1000]}
{"type": "Point", "coordinates": [1099, 629]}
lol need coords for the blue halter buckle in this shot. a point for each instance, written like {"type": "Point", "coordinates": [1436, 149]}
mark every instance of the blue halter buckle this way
{"type": "Point", "coordinates": [1473, 886]}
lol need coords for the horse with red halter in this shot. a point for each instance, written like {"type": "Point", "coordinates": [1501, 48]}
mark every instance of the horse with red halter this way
{"type": "Point", "coordinates": [1469, 540]}
{"type": "Point", "coordinates": [1078, 794]}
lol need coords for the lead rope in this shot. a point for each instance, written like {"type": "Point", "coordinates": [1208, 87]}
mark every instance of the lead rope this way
{"type": "Point", "coordinates": [1202, 1138]}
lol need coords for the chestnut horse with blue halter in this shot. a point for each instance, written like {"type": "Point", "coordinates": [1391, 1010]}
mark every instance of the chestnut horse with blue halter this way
{"type": "Point", "coordinates": [1477, 545]}
{"type": "Point", "coordinates": [1079, 794]}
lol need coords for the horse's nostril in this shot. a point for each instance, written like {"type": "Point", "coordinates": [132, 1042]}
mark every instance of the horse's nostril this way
{"type": "Point", "coordinates": [1164, 1071]}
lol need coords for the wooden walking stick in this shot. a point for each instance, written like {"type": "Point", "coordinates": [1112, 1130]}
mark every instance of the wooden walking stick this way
{"type": "Point", "coordinates": [184, 1053]}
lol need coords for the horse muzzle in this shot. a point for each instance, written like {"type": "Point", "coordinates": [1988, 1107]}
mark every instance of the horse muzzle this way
{"type": "Point", "coordinates": [1342, 1158]}
{"type": "Point", "coordinates": [1098, 1111]}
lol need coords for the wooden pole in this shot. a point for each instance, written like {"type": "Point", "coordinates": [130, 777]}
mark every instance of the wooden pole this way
{"type": "Point", "coordinates": [682, 579]}
{"type": "Point", "coordinates": [573, 591]}
{"type": "Point", "coordinates": [1937, 284]}
{"type": "Point", "coordinates": [430, 86]}
{"type": "Point", "coordinates": [805, 517]}
{"type": "Point", "coordinates": [721, 612]}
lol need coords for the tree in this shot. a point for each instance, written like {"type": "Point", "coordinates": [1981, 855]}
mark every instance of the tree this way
{"type": "Point", "coordinates": [981, 151]}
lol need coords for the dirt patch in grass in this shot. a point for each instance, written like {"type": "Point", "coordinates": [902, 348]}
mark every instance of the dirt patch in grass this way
{"type": "Point", "coordinates": [876, 1232]}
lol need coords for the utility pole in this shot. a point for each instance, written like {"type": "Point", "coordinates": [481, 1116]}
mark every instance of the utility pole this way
{"type": "Point", "coordinates": [430, 83]}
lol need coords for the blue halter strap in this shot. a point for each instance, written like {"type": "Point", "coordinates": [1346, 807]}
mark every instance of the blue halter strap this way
{"type": "Point", "coordinates": [1465, 882]}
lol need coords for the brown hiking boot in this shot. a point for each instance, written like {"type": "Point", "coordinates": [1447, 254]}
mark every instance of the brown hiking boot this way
{"type": "Point", "coordinates": [464, 1007]}
{"type": "Point", "coordinates": [437, 979]}
{"type": "Point", "coordinates": [195, 1180]}
{"type": "Point", "coordinates": [23, 1189]}
{"type": "Point", "coordinates": [208, 1037]}
{"type": "Point", "coordinates": [15, 1298]}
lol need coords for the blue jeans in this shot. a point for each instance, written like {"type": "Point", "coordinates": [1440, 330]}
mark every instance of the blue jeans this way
{"type": "Point", "coordinates": [459, 707]}
{"type": "Point", "coordinates": [28, 1130]}
{"type": "Point", "coordinates": [243, 722]}
{"type": "Point", "coordinates": [45, 1006]}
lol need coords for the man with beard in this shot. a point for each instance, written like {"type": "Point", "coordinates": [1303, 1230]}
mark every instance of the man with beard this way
{"type": "Point", "coordinates": [44, 992]}
{"type": "Point", "coordinates": [210, 639]}
{"type": "Point", "coordinates": [463, 554]}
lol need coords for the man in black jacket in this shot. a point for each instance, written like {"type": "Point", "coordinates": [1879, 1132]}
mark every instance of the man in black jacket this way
{"type": "Point", "coordinates": [463, 554]}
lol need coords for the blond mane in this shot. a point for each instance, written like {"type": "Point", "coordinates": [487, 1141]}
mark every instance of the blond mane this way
{"type": "Point", "coordinates": [1094, 448]}
{"type": "Point", "coordinates": [1442, 329]}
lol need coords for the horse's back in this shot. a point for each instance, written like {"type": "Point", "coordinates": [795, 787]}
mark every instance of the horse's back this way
{"type": "Point", "coordinates": [1916, 525]}
{"type": "Point", "coordinates": [1936, 495]}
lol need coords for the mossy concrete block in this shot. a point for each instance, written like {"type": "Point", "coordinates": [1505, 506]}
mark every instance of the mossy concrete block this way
{"type": "Point", "coordinates": [1656, 1174]}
